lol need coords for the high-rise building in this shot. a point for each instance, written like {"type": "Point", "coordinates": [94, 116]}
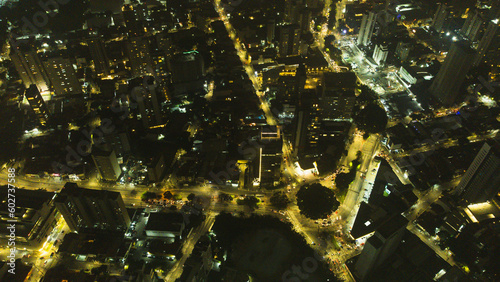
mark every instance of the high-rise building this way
{"type": "Point", "coordinates": [366, 29]}
{"type": "Point", "coordinates": [338, 95]}
{"type": "Point", "coordinates": [62, 75]}
{"type": "Point", "coordinates": [481, 182]}
{"type": "Point", "coordinates": [88, 209]}
{"type": "Point", "coordinates": [149, 104]}
{"type": "Point", "coordinates": [452, 73]}
{"type": "Point", "coordinates": [440, 17]}
{"type": "Point", "coordinates": [472, 25]}
{"type": "Point", "coordinates": [138, 53]}
{"type": "Point", "coordinates": [37, 104]}
{"type": "Point", "coordinates": [131, 16]}
{"type": "Point", "coordinates": [186, 67]}
{"type": "Point", "coordinates": [485, 41]}
{"type": "Point", "coordinates": [29, 65]}
{"type": "Point", "coordinates": [99, 56]}
{"type": "Point", "coordinates": [289, 41]}
{"type": "Point", "coordinates": [34, 214]}
{"type": "Point", "coordinates": [270, 156]}
{"type": "Point", "coordinates": [380, 246]}
{"type": "Point", "coordinates": [403, 50]}
{"type": "Point", "coordinates": [270, 30]}
{"type": "Point", "coordinates": [106, 164]}
{"type": "Point", "coordinates": [380, 54]}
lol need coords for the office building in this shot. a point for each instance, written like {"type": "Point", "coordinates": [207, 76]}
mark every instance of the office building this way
{"type": "Point", "coordinates": [472, 25]}
{"type": "Point", "coordinates": [338, 96]}
{"type": "Point", "coordinates": [481, 181]}
{"type": "Point", "coordinates": [98, 54]}
{"type": "Point", "coordinates": [485, 41]}
{"type": "Point", "coordinates": [380, 54]}
{"type": "Point", "coordinates": [366, 29]}
{"type": "Point", "coordinates": [106, 164]}
{"type": "Point", "coordinates": [440, 17]}
{"type": "Point", "coordinates": [29, 65]}
{"type": "Point", "coordinates": [380, 246]}
{"type": "Point", "coordinates": [139, 58]}
{"type": "Point", "coordinates": [270, 156]}
{"type": "Point", "coordinates": [87, 209]}
{"type": "Point", "coordinates": [289, 40]}
{"type": "Point", "coordinates": [62, 74]}
{"type": "Point", "coordinates": [37, 104]}
{"type": "Point", "coordinates": [451, 75]}
{"type": "Point", "coordinates": [34, 214]}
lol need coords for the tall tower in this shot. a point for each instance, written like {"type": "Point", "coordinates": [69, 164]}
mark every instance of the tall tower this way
{"type": "Point", "coordinates": [289, 40]}
{"type": "Point", "coordinates": [485, 41]}
{"type": "Point", "coordinates": [366, 29]}
{"type": "Point", "coordinates": [99, 56]}
{"type": "Point", "coordinates": [380, 53]}
{"type": "Point", "coordinates": [106, 163]}
{"type": "Point", "coordinates": [270, 156]}
{"type": "Point", "coordinates": [481, 182]}
{"type": "Point", "coordinates": [29, 65]}
{"type": "Point", "coordinates": [380, 246]}
{"type": "Point", "coordinates": [138, 51]}
{"type": "Point", "coordinates": [37, 104]}
{"type": "Point", "coordinates": [149, 105]}
{"type": "Point", "coordinates": [132, 23]}
{"type": "Point", "coordinates": [452, 73]}
{"type": "Point", "coordinates": [440, 17]}
{"type": "Point", "coordinates": [472, 25]}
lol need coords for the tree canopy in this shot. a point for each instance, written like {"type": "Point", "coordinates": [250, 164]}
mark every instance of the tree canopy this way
{"type": "Point", "coordinates": [249, 201]}
{"type": "Point", "coordinates": [315, 201]}
{"type": "Point", "coordinates": [372, 119]}
{"type": "Point", "coordinates": [168, 195]}
{"type": "Point", "coordinates": [146, 196]}
{"type": "Point", "coordinates": [280, 200]}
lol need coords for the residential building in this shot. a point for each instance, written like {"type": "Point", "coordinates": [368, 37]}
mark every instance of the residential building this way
{"type": "Point", "coordinates": [270, 156]}
{"type": "Point", "coordinates": [380, 246]}
{"type": "Point", "coordinates": [366, 29]}
{"type": "Point", "coordinates": [34, 214]}
{"type": "Point", "coordinates": [451, 75]}
{"type": "Point", "coordinates": [481, 181]}
{"type": "Point", "coordinates": [338, 95]}
{"type": "Point", "coordinates": [37, 104]}
{"type": "Point", "coordinates": [99, 56]}
{"type": "Point", "coordinates": [88, 209]}
{"type": "Point", "coordinates": [289, 40]}
{"type": "Point", "coordinates": [62, 75]}
{"type": "Point", "coordinates": [106, 164]}
{"type": "Point", "coordinates": [139, 58]}
{"type": "Point", "coordinates": [29, 65]}
{"type": "Point", "coordinates": [486, 40]}
{"type": "Point", "coordinates": [380, 54]}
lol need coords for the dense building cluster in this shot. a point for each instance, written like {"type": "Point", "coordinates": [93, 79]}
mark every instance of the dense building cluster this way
{"type": "Point", "coordinates": [177, 140]}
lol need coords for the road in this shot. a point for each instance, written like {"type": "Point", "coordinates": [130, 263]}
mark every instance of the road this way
{"type": "Point", "coordinates": [188, 246]}
{"type": "Point", "coordinates": [357, 189]}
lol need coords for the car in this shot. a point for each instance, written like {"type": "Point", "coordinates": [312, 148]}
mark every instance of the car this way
{"type": "Point", "coordinates": [52, 254]}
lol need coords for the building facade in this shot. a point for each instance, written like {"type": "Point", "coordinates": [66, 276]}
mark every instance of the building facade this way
{"type": "Point", "coordinates": [88, 209]}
